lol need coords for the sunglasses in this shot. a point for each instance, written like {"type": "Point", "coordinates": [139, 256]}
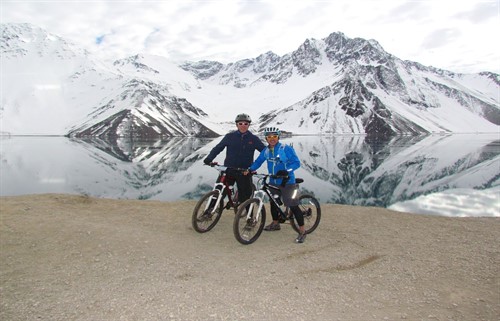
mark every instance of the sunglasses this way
{"type": "Point", "coordinates": [243, 124]}
{"type": "Point", "coordinates": [272, 136]}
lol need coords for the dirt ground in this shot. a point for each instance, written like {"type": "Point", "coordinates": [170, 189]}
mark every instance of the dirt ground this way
{"type": "Point", "coordinates": [66, 257]}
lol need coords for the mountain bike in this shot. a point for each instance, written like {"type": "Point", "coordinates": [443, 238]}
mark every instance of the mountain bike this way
{"type": "Point", "coordinates": [251, 215]}
{"type": "Point", "coordinates": [208, 210]}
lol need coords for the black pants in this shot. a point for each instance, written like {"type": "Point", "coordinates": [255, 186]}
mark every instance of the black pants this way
{"type": "Point", "coordinates": [243, 182]}
{"type": "Point", "coordinates": [299, 216]}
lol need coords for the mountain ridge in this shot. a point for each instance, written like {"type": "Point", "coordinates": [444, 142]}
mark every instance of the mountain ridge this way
{"type": "Point", "coordinates": [335, 85]}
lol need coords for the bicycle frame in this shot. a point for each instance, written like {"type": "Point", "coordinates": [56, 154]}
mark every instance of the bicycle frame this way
{"type": "Point", "coordinates": [223, 187]}
{"type": "Point", "coordinates": [260, 193]}
{"type": "Point", "coordinates": [251, 215]}
{"type": "Point", "coordinates": [210, 206]}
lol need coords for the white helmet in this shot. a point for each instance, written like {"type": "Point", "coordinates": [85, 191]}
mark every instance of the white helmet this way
{"type": "Point", "coordinates": [271, 131]}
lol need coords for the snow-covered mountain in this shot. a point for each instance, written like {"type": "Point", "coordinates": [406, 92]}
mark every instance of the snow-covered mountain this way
{"type": "Point", "coordinates": [50, 87]}
{"type": "Point", "coordinates": [334, 85]}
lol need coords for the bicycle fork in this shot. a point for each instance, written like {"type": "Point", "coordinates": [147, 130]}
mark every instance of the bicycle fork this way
{"type": "Point", "coordinates": [260, 196]}
{"type": "Point", "coordinates": [211, 203]}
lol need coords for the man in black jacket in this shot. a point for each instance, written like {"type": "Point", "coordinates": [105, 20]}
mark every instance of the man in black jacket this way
{"type": "Point", "coordinates": [240, 146]}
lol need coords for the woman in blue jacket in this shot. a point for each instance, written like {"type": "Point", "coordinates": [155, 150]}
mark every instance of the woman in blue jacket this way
{"type": "Point", "coordinates": [281, 161]}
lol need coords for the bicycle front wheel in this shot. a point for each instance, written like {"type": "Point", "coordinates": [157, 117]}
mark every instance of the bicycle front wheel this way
{"type": "Point", "coordinates": [207, 213]}
{"type": "Point", "coordinates": [312, 213]}
{"type": "Point", "coordinates": [247, 228]}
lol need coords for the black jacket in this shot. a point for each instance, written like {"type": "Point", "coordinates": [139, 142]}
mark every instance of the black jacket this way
{"type": "Point", "coordinates": [240, 149]}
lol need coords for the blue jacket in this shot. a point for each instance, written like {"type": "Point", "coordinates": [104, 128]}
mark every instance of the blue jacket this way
{"type": "Point", "coordinates": [240, 148]}
{"type": "Point", "coordinates": [282, 157]}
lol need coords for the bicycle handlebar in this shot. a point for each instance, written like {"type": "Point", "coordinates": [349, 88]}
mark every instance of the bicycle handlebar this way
{"type": "Point", "coordinates": [225, 168]}
{"type": "Point", "coordinates": [268, 175]}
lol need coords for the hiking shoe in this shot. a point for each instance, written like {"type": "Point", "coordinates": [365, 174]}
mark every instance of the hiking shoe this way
{"type": "Point", "coordinates": [300, 238]}
{"type": "Point", "coordinates": [272, 227]}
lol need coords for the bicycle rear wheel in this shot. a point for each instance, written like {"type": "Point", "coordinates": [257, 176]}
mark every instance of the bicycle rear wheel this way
{"type": "Point", "coordinates": [206, 215]}
{"type": "Point", "coordinates": [247, 230]}
{"type": "Point", "coordinates": [312, 213]}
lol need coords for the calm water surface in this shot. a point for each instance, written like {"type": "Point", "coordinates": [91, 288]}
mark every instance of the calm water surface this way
{"type": "Point", "coordinates": [351, 170]}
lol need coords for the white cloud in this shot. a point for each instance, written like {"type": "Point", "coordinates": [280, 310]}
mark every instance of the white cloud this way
{"type": "Point", "coordinates": [454, 35]}
{"type": "Point", "coordinates": [440, 38]}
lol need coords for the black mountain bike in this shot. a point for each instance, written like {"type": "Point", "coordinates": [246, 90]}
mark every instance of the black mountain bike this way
{"type": "Point", "coordinates": [251, 215]}
{"type": "Point", "coordinates": [208, 210]}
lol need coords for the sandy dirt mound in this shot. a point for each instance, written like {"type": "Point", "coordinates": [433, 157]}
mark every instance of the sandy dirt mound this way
{"type": "Point", "coordinates": [67, 257]}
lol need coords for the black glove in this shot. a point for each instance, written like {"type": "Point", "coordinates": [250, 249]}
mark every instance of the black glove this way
{"type": "Point", "coordinates": [206, 161]}
{"type": "Point", "coordinates": [282, 173]}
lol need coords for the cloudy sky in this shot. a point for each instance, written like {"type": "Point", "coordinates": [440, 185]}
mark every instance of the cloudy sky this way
{"type": "Point", "coordinates": [456, 35]}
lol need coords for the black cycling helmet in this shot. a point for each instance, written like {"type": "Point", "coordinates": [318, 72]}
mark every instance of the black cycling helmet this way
{"type": "Point", "coordinates": [243, 117]}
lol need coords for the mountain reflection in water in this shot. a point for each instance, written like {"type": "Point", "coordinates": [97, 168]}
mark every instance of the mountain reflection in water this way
{"type": "Point", "coordinates": [356, 170]}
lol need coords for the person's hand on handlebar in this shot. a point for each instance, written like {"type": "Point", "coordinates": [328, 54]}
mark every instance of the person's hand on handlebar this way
{"type": "Point", "coordinates": [248, 171]}
{"type": "Point", "coordinates": [209, 163]}
{"type": "Point", "coordinates": [282, 173]}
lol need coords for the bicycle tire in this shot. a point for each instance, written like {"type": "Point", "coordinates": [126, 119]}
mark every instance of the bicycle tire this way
{"type": "Point", "coordinates": [204, 223]}
{"type": "Point", "coordinates": [312, 213]}
{"type": "Point", "coordinates": [244, 231]}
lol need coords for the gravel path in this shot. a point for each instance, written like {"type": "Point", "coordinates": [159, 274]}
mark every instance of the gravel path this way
{"type": "Point", "coordinates": [67, 257]}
